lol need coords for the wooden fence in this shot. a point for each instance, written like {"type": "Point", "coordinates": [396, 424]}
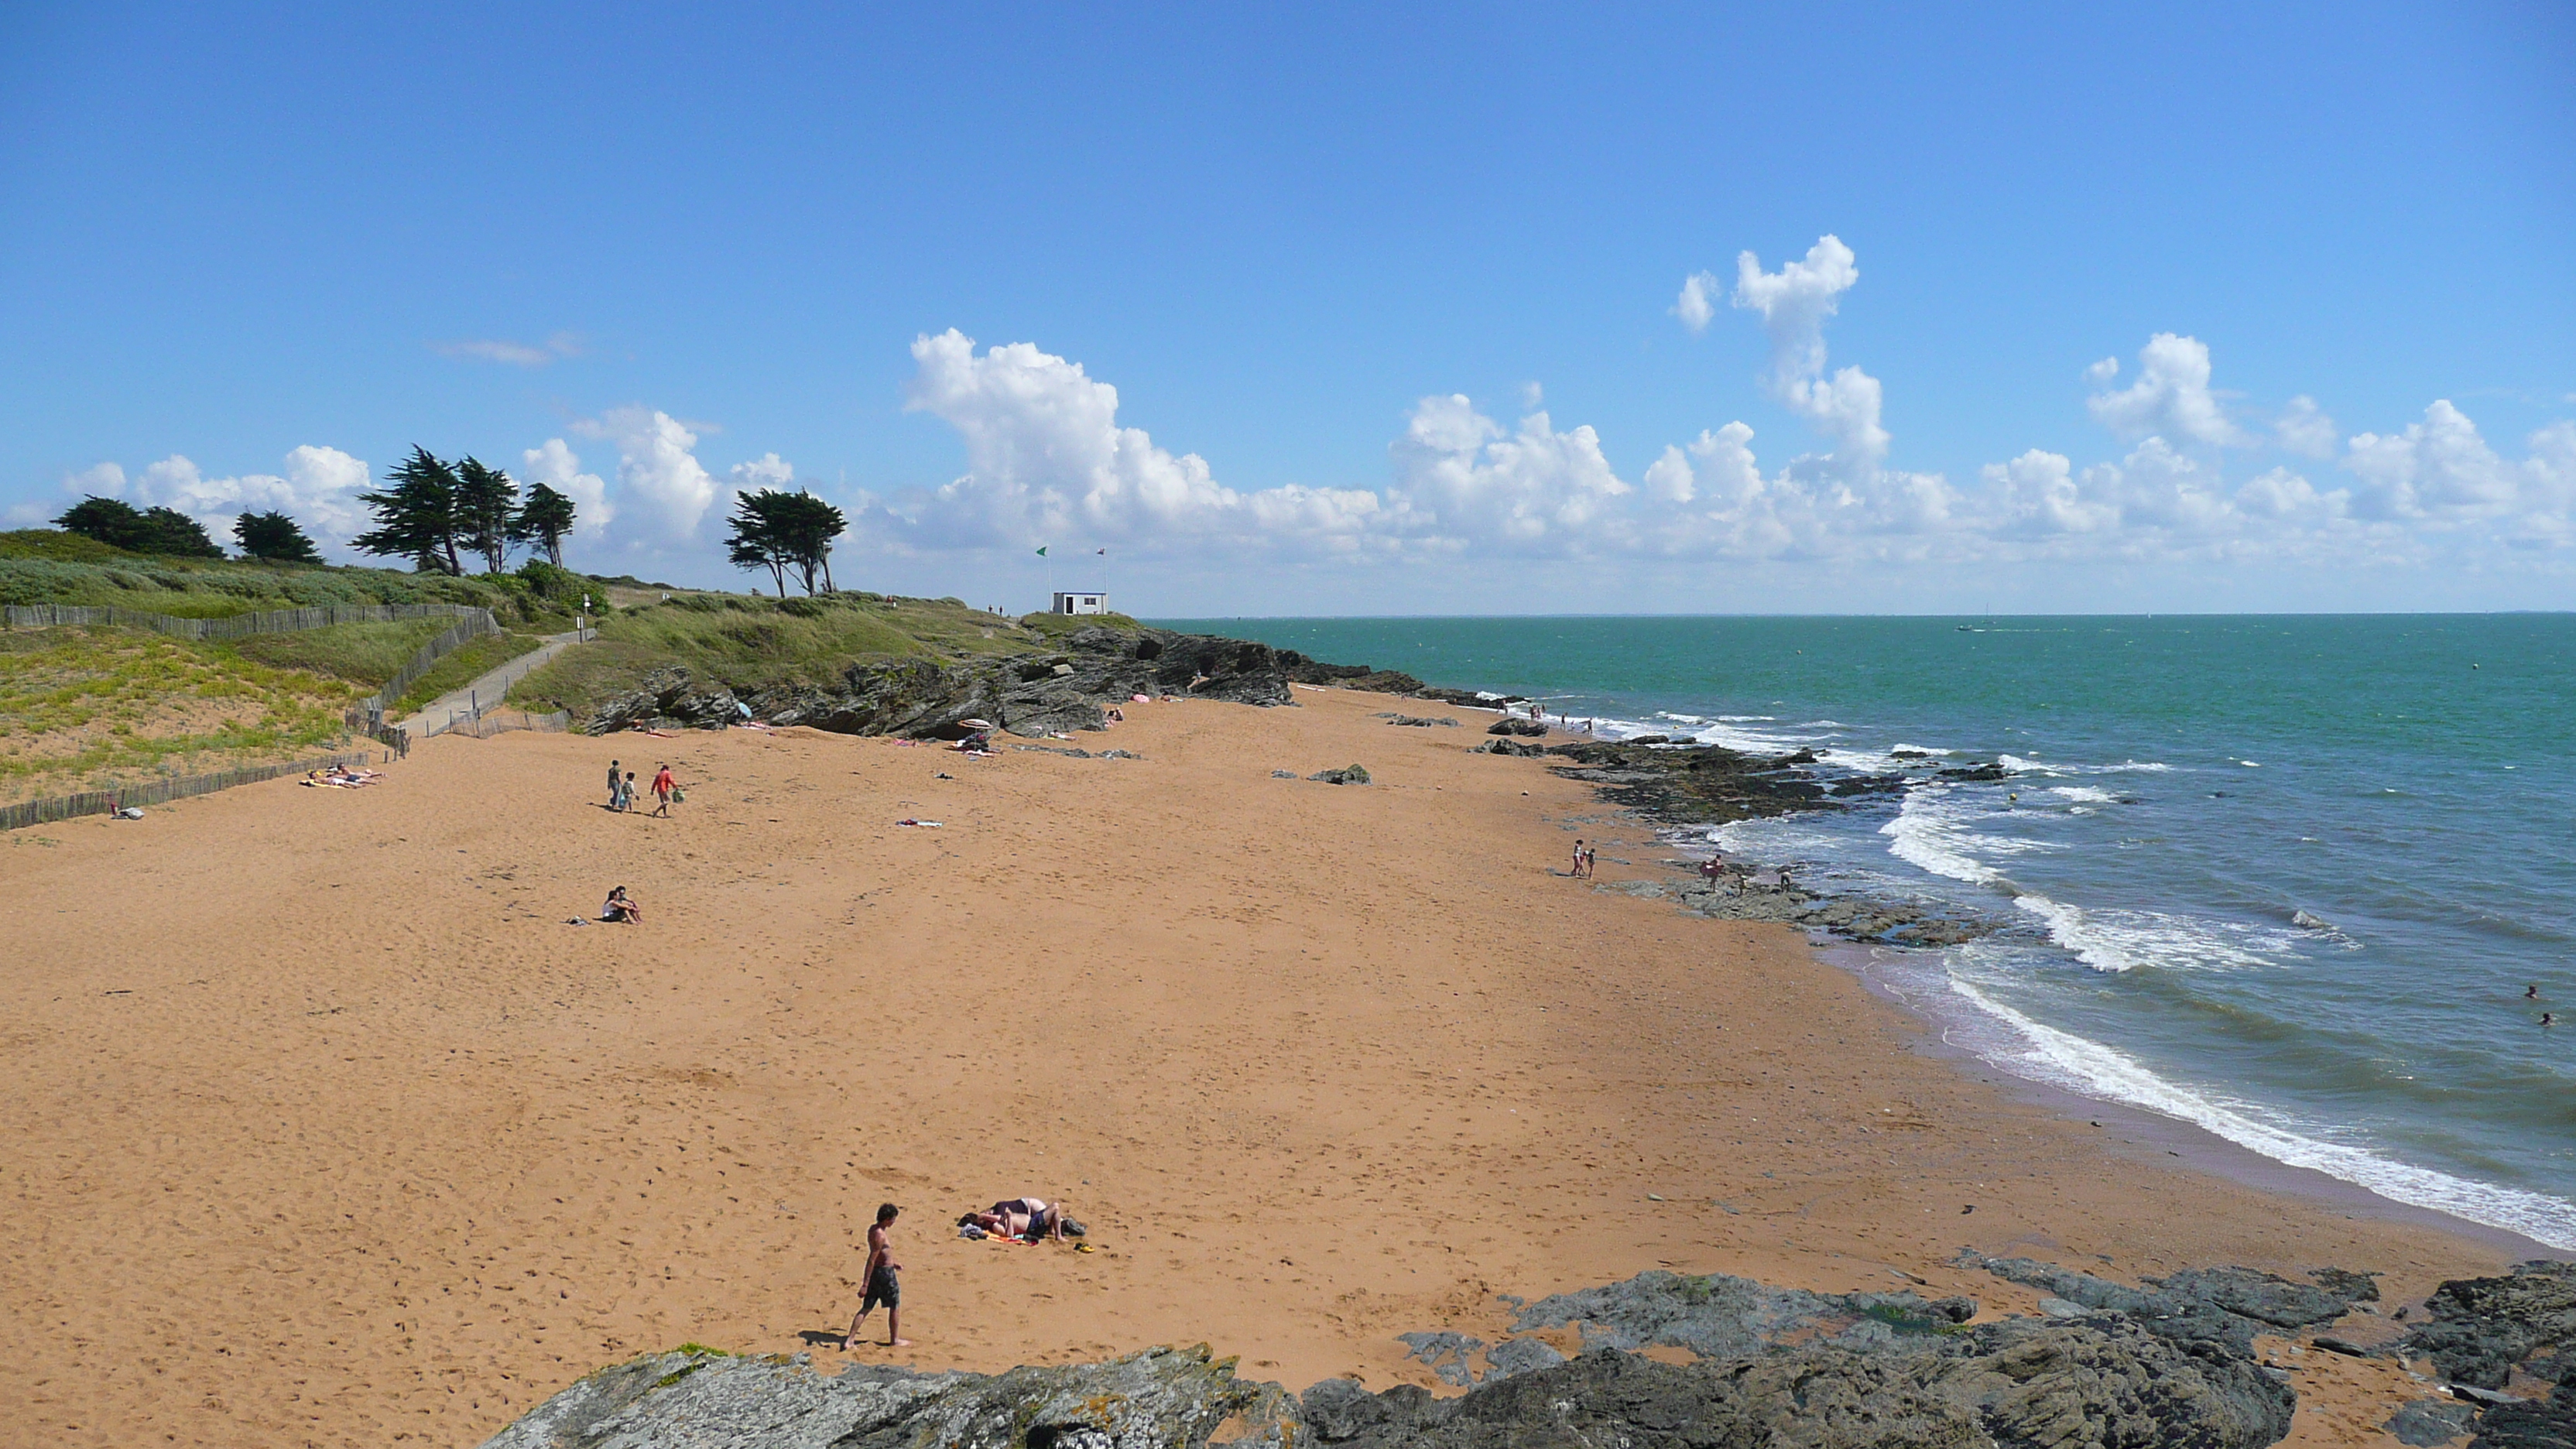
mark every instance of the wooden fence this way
{"type": "Point", "coordinates": [160, 792]}
{"type": "Point", "coordinates": [233, 626]}
{"type": "Point", "coordinates": [368, 714]}
{"type": "Point", "coordinates": [492, 722]}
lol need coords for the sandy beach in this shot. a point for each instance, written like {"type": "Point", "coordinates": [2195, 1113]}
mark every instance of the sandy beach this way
{"type": "Point", "coordinates": [328, 1129]}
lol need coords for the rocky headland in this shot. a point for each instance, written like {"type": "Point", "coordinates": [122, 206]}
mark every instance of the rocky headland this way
{"type": "Point", "coordinates": [1032, 694]}
{"type": "Point", "coordinates": [2174, 1362]}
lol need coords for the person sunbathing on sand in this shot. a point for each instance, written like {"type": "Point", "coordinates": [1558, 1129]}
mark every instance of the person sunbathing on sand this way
{"type": "Point", "coordinates": [622, 907]}
{"type": "Point", "coordinates": [1019, 1217]}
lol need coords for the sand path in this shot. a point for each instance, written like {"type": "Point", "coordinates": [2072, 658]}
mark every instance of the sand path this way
{"type": "Point", "coordinates": [325, 1128]}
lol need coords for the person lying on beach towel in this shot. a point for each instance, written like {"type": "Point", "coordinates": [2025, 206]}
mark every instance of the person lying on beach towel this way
{"type": "Point", "coordinates": [1022, 1217]}
{"type": "Point", "coordinates": [621, 907]}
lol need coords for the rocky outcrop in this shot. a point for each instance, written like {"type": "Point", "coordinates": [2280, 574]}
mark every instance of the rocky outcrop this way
{"type": "Point", "coordinates": [1735, 895]}
{"type": "Point", "coordinates": [1514, 725]}
{"type": "Point", "coordinates": [716, 1401]}
{"type": "Point", "coordinates": [1698, 785]}
{"type": "Point", "coordinates": [1347, 775]}
{"type": "Point", "coordinates": [2482, 1329]}
{"type": "Point", "coordinates": [2201, 1305]}
{"type": "Point", "coordinates": [1034, 694]}
{"type": "Point", "coordinates": [1773, 1367]}
{"type": "Point", "coordinates": [2020, 1382]}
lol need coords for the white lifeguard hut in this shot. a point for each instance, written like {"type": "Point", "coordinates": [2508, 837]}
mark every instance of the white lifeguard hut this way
{"type": "Point", "coordinates": [1081, 601]}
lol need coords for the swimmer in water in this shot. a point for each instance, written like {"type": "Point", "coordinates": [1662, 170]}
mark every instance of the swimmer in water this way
{"type": "Point", "coordinates": [2548, 1018]}
{"type": "Point", "coordinates": [2531, 992]}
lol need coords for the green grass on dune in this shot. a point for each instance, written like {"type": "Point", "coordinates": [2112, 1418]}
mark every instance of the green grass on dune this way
{"type": "Point", "coordinates": [82, 709]}
{"type": "Point", "coordinates": [46, 566]}
{"type": "Point", "coordinates": [749, 642]}
{"type": "Point", "coordinates": [367, 654]}
{"type": "Point", "coordinates": [463, 665]}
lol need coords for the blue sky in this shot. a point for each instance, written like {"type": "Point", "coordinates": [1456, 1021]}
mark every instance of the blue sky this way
{"type": "Point", "coordinates": [1393, 305]}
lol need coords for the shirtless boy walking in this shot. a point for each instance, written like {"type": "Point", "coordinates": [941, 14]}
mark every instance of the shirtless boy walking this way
{"type": "Point", "coordinates": [883, 1287]}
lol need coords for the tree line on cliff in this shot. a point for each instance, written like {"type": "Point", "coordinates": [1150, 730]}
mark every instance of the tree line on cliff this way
{"type": "Point", "coordinates": [438, 514]}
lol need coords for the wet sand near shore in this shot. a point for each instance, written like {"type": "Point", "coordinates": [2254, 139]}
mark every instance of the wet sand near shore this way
{"type": "Point", "coordinates": [326, 1129]}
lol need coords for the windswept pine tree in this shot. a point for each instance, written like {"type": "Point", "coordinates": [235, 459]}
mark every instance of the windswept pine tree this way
{"type": "Point", "coordinates": [754, 543]}
{"type": "Point", "coordinates": [416, 517]}
{"type": "Point", "coordinates": [778, 531]}
{"type": "Point", "coordinates": [542, 522]}
{"type": "Point", "coordinates": [273, 538]}
{"type": "Point", "coordinates": [808, 526]}
{"type": "Point", "coordinates": [487, 508]}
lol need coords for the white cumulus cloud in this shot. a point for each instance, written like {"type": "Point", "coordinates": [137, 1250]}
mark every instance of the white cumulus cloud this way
{"type": "Point", "coordinates": [1698, 301]}
{"type": "Point", "coordinates": [2303, 428]}
{"type": "Point", "coordinates": [557, 466]}
{"type": "Point", "coordinates": [1794, 302]}
{"type": "Point", "coordinates": [1046, 459]}
{"type": "Point", "coordinates": [2439, 465]}
{"type": "Point", "coordinates": [1472, 481]}
{"type": "Point", "coordinates": [2171, 397]}
{"type": "Point", "coordinates": [659, 479]}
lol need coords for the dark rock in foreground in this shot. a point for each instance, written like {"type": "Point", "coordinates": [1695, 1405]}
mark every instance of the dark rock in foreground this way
{"type": "Point", "coordinates": [1780, 1367]}
{"type": "Point", "coordinates": [2199, 1305]}
{"type": "Point", "coordinates": [716, 1401]}
{"type": "Point", "coordinates": [2484, 1328]}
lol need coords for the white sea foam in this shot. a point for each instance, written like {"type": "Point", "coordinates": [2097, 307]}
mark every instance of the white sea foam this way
{"type": "Point", "coordinates": [2084, 794]}
{"type": "Point", "coordinates": [2109, 939]}
{"type": "Point", "coordinates": [2019, 766]}
{"type": "Point", "coordinates": [2094, 1070]}
{"type": "Point", "coordinates": [1927, 832]}
{"type": "Point", "coordinates": [1920, 749]}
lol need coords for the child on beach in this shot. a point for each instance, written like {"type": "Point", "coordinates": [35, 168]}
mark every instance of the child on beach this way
{"type": "Point", "coordinates": [663, 788]}
{"type": "Point", "coordinates": [882, 1284]}
{"type": "Point", "coordinates": [627, 801]}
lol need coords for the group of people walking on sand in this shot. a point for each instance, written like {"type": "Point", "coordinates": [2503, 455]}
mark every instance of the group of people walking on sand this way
{"type": "Point", "coordinates": [621, 908]}
{"type": "Point", "coordinates": [621, 790]}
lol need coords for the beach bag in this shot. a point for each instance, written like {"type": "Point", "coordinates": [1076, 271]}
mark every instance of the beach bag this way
{"type": "Point", "coordinates": [1073, 1229]}
{"type": "Point", "coordinates": [678, 795]}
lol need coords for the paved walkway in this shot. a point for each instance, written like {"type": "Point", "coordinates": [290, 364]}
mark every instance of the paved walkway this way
{"type": "Point", "coordinates": [487, 691]}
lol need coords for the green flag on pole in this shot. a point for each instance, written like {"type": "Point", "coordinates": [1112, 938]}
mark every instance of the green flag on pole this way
{"type": "Point", "coordinates": [1042, 553]}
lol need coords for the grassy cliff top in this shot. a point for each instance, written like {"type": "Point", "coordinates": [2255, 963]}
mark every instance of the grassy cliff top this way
{"type": "Point", "coordinates": [742, 639]}
{"type": "Point", "coordinates": [748, 640]}
{"type": "Point", "coordinates": [45, 566]}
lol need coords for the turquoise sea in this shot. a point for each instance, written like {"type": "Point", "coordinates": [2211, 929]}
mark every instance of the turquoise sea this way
{"type": "Point", "coordinates": [2288, 879]}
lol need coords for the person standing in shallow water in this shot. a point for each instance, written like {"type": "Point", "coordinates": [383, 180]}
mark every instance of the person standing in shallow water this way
{"type": "Point", "coordinates": [883, 1286]}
